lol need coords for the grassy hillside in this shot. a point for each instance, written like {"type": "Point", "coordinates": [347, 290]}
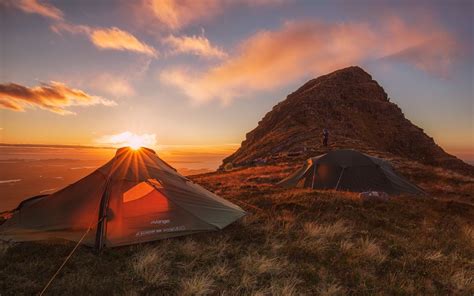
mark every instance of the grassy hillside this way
{"type": "Point", "coordinates": [293, 242]}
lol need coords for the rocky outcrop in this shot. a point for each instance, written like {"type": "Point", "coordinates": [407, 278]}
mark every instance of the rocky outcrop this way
{"type": "Point", "coordinates": [359, 115]}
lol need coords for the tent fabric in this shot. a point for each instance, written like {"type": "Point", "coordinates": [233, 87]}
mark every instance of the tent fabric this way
{"type": "Point", "coordinates": [144, 199]}
{"type": "Point", "coordinates": [349, 170]}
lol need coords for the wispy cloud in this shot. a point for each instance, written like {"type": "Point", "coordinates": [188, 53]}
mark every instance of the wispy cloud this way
{"type": "Point", "coordinates": [271, 59]}
{"type": "Point", "coordinates": [111, 38]}
{"type": "Point", "coordinates": [176, 14]}
{"type": "Point", "coordinates": [426, 45]}
{"type": "Point", "coordinates": [196, 45]}
{"type": "Point", "coordinates": [54, 96]}
{"type": "Point", "coordinates": [117, 86]}
{"type": "Point", "coordinates": [114, 38]}
{"type": "Point", "coordinates": [108, 38]}
{"type": "Point", "coordinates": [35, 7]}
{"type": "Point", "coordinates": [128, 139]}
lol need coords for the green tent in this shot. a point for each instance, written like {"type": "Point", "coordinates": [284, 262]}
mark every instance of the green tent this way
{"type": "Point", "coordinates": [349, 170]}
{"type": "Point", "coordinates": [135, 197]}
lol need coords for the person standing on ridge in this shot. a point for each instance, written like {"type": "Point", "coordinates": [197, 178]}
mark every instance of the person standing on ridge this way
{"type": "Point", "coordinates": [325, 137]}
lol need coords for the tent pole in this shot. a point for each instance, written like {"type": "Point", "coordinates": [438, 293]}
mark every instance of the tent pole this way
{"type": "Point", "coordinates": [104, 203]}
{"type": "Point", "coordinates": [340, 176]}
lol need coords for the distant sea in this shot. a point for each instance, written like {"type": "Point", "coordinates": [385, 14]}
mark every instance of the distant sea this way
{"type": "Point", "coordinates": [26, 171]}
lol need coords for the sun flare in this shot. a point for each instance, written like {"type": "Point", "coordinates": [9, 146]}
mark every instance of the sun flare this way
{"type": "Point", "coordinates": [129, 139]}
{"type": "Point", "coordinates": [134, 146]}
{"type": "Point", "coordinates": [135, 142]}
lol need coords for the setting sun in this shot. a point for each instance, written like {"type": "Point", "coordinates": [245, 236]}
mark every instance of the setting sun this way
{"type": "Point", "coordinates": [134, 141]}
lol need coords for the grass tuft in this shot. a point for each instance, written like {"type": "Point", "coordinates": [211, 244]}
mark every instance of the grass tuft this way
{"type": "Point", "coordinates": [331, 289]}
{"type": "Point", "coordinates": [369, 249]}
{"type": "Point", "coordinates": [434, 256]}
{"type": "Point", "coordinates": [328, 231]}
{"type": "Point", "coordinates": [285, 287]}
{"type": "Point", "coordinates": [255, 263]}
{"type": "Point", "coordinates": [468, 232]}
{"type": "Point", "coordinates": [463, 281]}
{"type": "Point", "coordinates": [152, 265]}
{"type": "Point", "coordinates": [4, 246]}
{"type": "Point", "coordinates": [196, 285]}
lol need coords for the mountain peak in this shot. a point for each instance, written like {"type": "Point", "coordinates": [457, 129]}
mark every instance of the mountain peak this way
{"type": "Point", "coordinates": [352, 74]}
{"type": "Point", "coordinates": [358, 114]}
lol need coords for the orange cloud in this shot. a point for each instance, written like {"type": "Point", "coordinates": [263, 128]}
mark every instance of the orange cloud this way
{"type": "Point", "coordinates": [107, 38]}
{"type": "Point", "coordinates": [176, 14]}
{"type": "Point", "coordinates": [270, 59]}
{"type": "Point", "coordinates": [53, 96]}
{"type": "Point", "coordinates": [35, 7]}
{"type": "Point", "coordinates": [114, 38]}
{"type": "Point", "coordinates": [197, 45]}
{"type": "Point", "coordinates": [5, 104]}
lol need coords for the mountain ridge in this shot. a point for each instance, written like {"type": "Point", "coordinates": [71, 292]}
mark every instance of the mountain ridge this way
{"type": "Point", "coordinates": [359, 115]}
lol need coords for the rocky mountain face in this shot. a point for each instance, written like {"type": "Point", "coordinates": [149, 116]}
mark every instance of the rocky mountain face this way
{"type": "Point", "coordinates": [358, 114]}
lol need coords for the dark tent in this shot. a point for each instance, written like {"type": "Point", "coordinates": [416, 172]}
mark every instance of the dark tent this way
{"type": "Point", "coordinates": [135, 197]}
{"type": "Point", "coordinates": [349, 170]}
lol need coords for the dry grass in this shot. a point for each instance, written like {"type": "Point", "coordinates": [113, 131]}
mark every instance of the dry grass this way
{"type": "Point", "coordinates": [328, 231]}
{"type": "Point", "coordinates": [189, 247]}
{"type": "Point", "coordinates": [285, 287]}
{"type": "Point", "coordinates": [331, 289]}
{"type": "Point", "coordinates": [438, 181]}
{"type": "Point", "coordinates": [434, 256]}
{"type": "Point", "coordinates": [468, 232]}
{"type": "Point", "coordinates": [257, 264]}
{"type": "Point", "coordinates": [152, 265]}
{"type": "Point", "coordinates": [221, 270]}
{"type": "Point", "coordinates": [293, 242]}
{"type": "Point", "coordinates": [369, 249]}
{"type": "Point", "coordinates": [4, 246]}
{"type": "Point", "coordinates": [463, 281]}
{"type": "Point", "coordinates": [346, 246]}
{"type": "Point", "coordinates": [248, 281]}
{"type": "Point", "coordinates": [197, 285]}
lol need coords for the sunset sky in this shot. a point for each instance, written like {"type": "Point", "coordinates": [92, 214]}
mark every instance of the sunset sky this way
{"type": "Point", "coordinates": [203, 73]}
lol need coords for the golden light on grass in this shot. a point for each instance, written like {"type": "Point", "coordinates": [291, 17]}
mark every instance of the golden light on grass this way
{"type": "Point", "coordinates": [295, 242]}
